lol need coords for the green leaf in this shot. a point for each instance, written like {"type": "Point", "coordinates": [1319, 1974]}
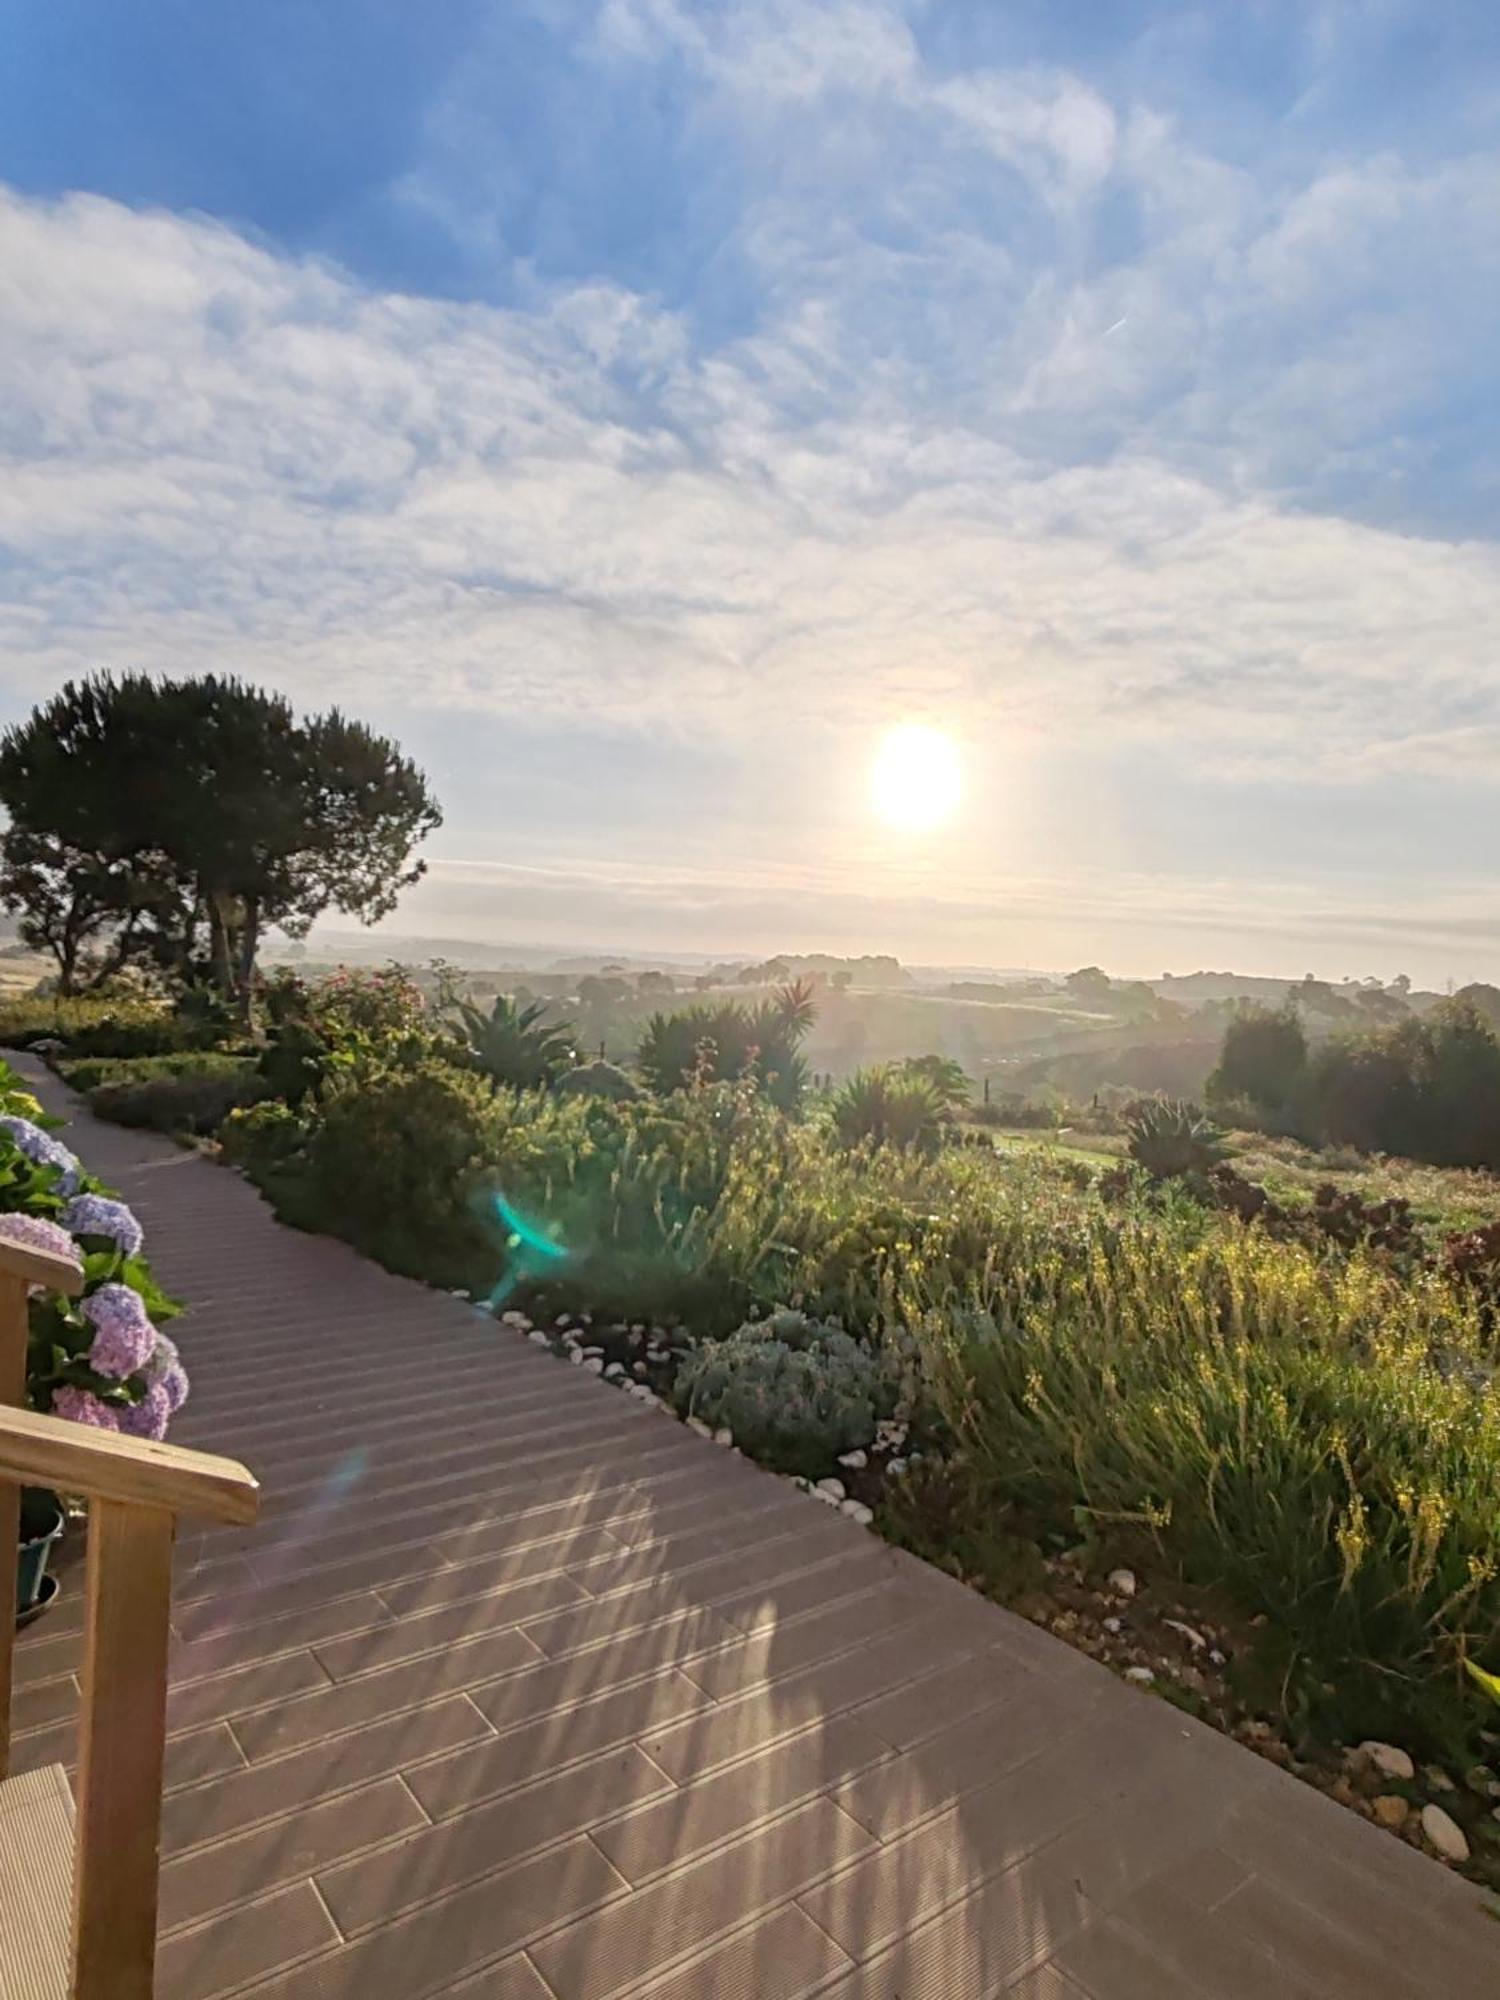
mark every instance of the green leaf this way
{"type": "Point", "coordinates": [1489, 1682]}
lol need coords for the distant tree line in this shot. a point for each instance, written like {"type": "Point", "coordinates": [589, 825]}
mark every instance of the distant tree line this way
{"type": "Point", "coordinates": [1426, 1087]}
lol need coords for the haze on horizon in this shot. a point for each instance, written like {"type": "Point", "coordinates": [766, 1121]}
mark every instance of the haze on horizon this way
{"type": "Point", "coordinates": [641, 407]}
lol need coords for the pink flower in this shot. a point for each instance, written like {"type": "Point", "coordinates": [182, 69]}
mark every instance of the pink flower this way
{"type": "Point", "coordinates": [82, 1406]}
{"type": "Point", "coordinates": [150, 1416]}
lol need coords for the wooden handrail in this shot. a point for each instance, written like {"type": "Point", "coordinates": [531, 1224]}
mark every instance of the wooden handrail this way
{"type": "Point", "coordinates": [136, 1489]}
{"type": "Point", "coordinates": [50, 1451]}
{"type": "Point", "coordinates": [39, 1267]}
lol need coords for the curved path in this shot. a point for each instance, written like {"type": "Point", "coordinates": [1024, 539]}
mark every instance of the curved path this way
{"type": "Point", "coordinates": [521, 1690]}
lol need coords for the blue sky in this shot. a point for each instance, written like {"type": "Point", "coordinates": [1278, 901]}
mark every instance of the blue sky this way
{"type": "Point", "coordinates": [639, 405]}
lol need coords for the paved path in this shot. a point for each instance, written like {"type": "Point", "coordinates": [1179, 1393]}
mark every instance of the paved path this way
{"type": "Point", "coordinates": [520, 1690]}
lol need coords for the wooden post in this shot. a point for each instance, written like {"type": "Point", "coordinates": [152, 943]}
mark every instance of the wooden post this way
{"type": "Point", "coordinates": [123, 1738]}
{"type": "Point", "coordinates": [13, 1332]}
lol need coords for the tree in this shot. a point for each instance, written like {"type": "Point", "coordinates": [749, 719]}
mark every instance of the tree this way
{"type": "Point", "coordinates": [1262, 1059]}
{"type": "Point", "coordinates": [1088, 983]}
{"type": "Point", "coordinates": [205, 813]}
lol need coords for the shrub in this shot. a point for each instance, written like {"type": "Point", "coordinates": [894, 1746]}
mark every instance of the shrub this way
{"type": "Point", "coordinates": [1275, 1422]}
{"type": "Point", "coordinates": [187, 1102]}
{"type": "Point", "coordinates": [89, 1072]}
{"type": "Point", "coordinates": [796, 1392]}
{"type": "Point", "coordinates": [599, 1079]}
{"type": "Point", "coordinates": [394, 1163]}
{"type": "Point", "coordinates": [341, 1026]}
{"type": "Point", "coordinates": [1169, 1137]}
{"type": "Point", "coordinates": [97, 1027]}
{"type": "Point", "coordinates": [514, 1046]}
{"type": "Point", "coordinates": [731, 1043]}
{"type": "Point", "coordinates": [888, 1107]}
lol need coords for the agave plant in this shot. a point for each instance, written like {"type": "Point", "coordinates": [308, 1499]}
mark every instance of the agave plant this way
{"type": "Point", "coordinates": [515, 1046]}
{"type": "Point", "coordinates": [888, 1107]}
{"type": "Point", "coordinates": [1169, 1137]}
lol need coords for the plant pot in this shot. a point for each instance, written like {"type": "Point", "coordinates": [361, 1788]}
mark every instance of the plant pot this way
{"type": "Point", "coordinates": [41, 1524]}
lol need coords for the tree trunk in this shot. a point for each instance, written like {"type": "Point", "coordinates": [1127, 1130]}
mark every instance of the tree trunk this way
{"type": "Point", "coordinates": [249, 944]}
{"type": "Point", "coordinates": [218, 944]}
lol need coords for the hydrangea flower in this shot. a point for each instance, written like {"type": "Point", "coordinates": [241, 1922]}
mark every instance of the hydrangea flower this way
{"type": "Point", "coordinates": [82, 1406]}
{"type": "Point", "coordinates": [165, 1370]}
{"type": "Point", "coordinates": [35, 1232]}
{"type": "Point", "coordinates": [97, 1215]}
{"type": "Point", "coordinates": [150, 1416]}
{"type": "Point", "coordinates": [44, 1151]}
{"type": "Point", "coordinates": [124, 1338]}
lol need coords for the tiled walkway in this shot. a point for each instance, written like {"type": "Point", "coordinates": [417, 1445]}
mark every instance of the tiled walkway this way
{"type": "Point", "coordinates": [520, 1689]}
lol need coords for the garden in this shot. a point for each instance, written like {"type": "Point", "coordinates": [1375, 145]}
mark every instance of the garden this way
{"type": "Point", "coordinates": [1241, 1444]}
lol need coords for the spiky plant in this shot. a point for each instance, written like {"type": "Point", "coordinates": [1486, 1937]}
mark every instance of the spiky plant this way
{"type": "Point", "coordinates": [514, 1046]}
{"type": "Point", "coordinates": [888, 1107]}
{"type": "Point", "coordinates": [1169, 1136]}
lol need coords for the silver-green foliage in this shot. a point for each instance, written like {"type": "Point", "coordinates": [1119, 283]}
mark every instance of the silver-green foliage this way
{"type": "Point", "coordinates": [796, 1392]}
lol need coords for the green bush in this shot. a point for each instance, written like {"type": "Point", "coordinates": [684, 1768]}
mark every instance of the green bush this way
{"type": "Point", "coordinates": [1169, 1137]}
{"type": "Point", "coordinates": [889, 1107]}
{"type": "Point", "coordinates": [395, 1164]}
{"type": "Point", "coordinates": [188, 1101]}
{"type": "Point", "coordinates": [1315, 1435]}
{"type": "Point", "coordinates": [97, 1027]}
{"type": "Point", "coordinates": [796, 1392]}
{"type": "Point", "coordinates": [731, 1043]}
{"type": "Point", "coordinates": [89, 1072]}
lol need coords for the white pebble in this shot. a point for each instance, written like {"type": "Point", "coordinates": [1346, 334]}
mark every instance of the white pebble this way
{"type": "Point", "coordinates": [1142, 1676]}
{"type": "Point", "coordinates": [541, 1339]}
{"type": "Point", "coordinates": [896, 1468]}
{"type": "Point", "coordinates": [857, 1511]}
{"type": "Point", "coordinates": [590, 1352]}
{"type": "Point", "coordinates": [834, 1488]}
{"type": "Point", "coordinates": [1112, 1625]}
{"type": "Point", "coordinates": [614, 1371]}
{"type": "Point", "coordinates": [697, 1424]}
{"type": "Point", "coordinates": [594, 1363]}
{"type": "Point", "coordinates": [1445, 1834]}
{"type": "Point", "coordinates": [855, 1460]}
{"type": "Point", "coordinates": [1388, 1760]}
{"type": "Point", "coordinates": [514, 1318]}
{"type": "Point", "coordinates": [724, 1435]}
{"type": "Point", "coordinates": [827, 1499]}
{"type": "Point", "coordinates": [575, 1356]}
{"type": "Point", "coordinates": [1122, 1582]}
{"type": "Point", "coordinates": [563, 1319]}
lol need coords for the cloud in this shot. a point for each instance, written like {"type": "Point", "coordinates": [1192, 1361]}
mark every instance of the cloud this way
{"type": "Point", "coordinates": [214, 451]}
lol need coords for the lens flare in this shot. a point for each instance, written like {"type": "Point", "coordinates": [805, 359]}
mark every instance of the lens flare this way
{"type": "Point", "coordinates": [916, 782]}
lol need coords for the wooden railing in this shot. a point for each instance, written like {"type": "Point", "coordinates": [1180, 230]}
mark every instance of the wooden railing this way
{"type": "Point", "coordinates": [136, 1490]}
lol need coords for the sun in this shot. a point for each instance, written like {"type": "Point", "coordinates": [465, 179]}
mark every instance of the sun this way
{"type": "Point", "coordinates": [916, 781]}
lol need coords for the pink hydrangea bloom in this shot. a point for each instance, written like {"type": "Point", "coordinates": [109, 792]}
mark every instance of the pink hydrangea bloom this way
{"type": "Point", "coordinates": [35, 1232]}
{"type": "Point", "coordinates": [165, 1367]}
{"type": "Point", "coordinates": [150, 1416]}
{"type": "Point", "coordinates": [124, 1338]}
{"type": "Point", "coordinates": [82, 1406]}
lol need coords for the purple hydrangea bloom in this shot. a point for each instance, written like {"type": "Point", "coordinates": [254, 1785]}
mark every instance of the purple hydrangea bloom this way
{"type": "Point", "coordinates": [97, 1215]}
{"type": "Point", "coordinates": [35, 1232]}
{"type": "Point", "coordinates": [44, 1151]}
{"type": "Point", "coordinates": [124, 1338]}
{"type": "Point", "coordinates": [150, 1416]}
{"type": "Point", "coordinates": [165, 1368]}
{"type": "Point", "coordinates": [82, 1406]}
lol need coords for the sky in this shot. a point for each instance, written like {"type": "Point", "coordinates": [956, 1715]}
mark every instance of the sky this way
{"type": "Point", "coordinates": [638, 407]}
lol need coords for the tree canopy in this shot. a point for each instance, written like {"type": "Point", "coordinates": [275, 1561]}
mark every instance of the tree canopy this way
{"type": "Point", "coordinates": [175, 821]}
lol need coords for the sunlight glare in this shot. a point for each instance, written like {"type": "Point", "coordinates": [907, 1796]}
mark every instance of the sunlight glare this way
{"type": "Point", "coordinates": [915, 780]}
